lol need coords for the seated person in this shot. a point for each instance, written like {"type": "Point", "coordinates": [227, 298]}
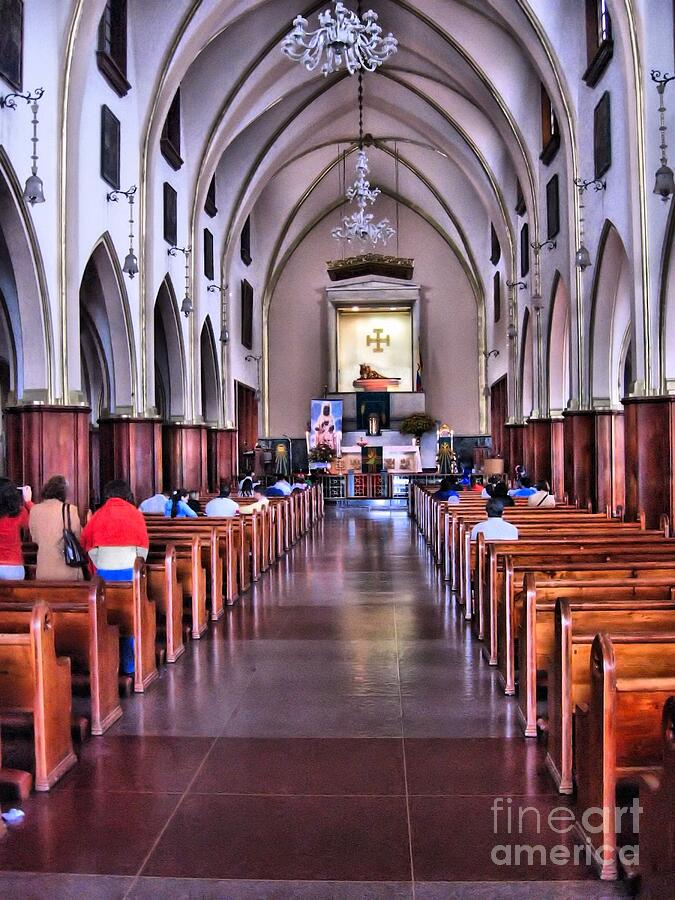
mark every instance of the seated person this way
{"type": "Point", "coordinates": [222, 506]}
{"type": "Point", "coordinates": [274, 491]}
{"type": "Point", "coordinates": [193, 502]}
{"type": "Point", "coordinates": [14, 506]}
{"type": "Point", "coordinates": [448, 491]}
{"type": "Point", "coordinates": [299, 483]}
{"type": "Point", "coordinates": [543, 499]}
{"type": "Point", "coordinates": [154, 505]}
{"type": "Point", "coordinates": [500, 492]}
{"type": "Point", "coordinates": [251, 498]}
{"type": "Point", "coordinates": [177, 506]}
{"type": "Point", "coordinates": [476, 486]}
{"type": "Point", "coordinates": [524, 488]}
{"type": "Point", "coordinates": [494, 527]}
{"type": "Point", "coordinates": [281, 484]}
{"type": "Point", "coordinates": [116, 534]}
{"type": "Point", "coordinates": [488, 489]}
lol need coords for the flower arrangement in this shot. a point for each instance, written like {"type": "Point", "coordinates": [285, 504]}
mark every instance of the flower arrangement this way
{"type": "Point", "coordinates": [321, 454]}
{"type": "Point", "coordinates": [417, 424]}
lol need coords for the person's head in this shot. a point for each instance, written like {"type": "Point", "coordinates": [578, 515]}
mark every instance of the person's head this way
{"type": "Point", "coordinates": [118, 490]}
{"type": "Point", "coordinates": [11, 500]}
{"type": "Point", "coordinates": [494, 508]}
{"type": "Point", "coordinates": [445, 484]}
{"type": "Point", "coordinates": [176, 497]}
{"type": "Point", "coordinates": [490, 489]}
{"type": "Point", "coordinates": [55, 489]}
{"type": "Point", "coordinates": [526, 481]}
{"type": "Point", "coordinates": [326, 409]}
{"type": "Point", "coordinates": [194, 495]}
{"type": "Point", "coordinates": [500, 490]}
{"type": "Point", "coordinates": [224, 491]}
{"type": "Point", "coordinates": [495, 479]}
{"type": "Point", "coordinates": [247, 486]}
{"type": "Point", "coordinates": [282, 478]}
{"type": "Point", "coordinates": [543, 486]}
{"type": "Point", "coordinates": [456, 487]}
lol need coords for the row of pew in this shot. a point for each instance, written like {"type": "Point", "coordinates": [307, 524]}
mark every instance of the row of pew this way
{"type": "Point", "coordinates": [578, 618]}
{"type": "Point", "coordinates": [61, 673]}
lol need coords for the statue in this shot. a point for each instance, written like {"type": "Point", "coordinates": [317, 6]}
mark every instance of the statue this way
{"type": "Point", "coordinates": [368, 374]}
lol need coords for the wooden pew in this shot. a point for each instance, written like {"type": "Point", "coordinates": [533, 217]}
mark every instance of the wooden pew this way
{"type": "Point", "coordinates": [618, 737]}
{"type": "Point", "coordinates": [165, 590]}
{"type": "Point", "coordinates": [79, 620]}
{"type": "Point", "coordinates": [576, 624]}
{"type": "Point", "coordinates": [130, 609]}
{"type": "Point", "coordinates": [35, 689]}
{"type": "Point", "coordinates": [508, 563]}
{"type": "Point", "coordinates": [657, 825]}
{"type": "Point", "coordinates": [190, 571]}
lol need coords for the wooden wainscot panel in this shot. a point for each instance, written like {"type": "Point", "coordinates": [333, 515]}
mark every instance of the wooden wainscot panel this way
{"type": "Point", "coordinates": [221, 449]}
{"type": "Point", "coordinates": [610, 460]}
{"type": "Point", "coordinates": [579, 437]}
{"type": "Point", "coordinates": [185, 457]}
{"type": "Point", "coordinates": [132, 449]}
{"type": "Point", "coordinates": [650, 457]}
{"type": "Point", "coordinates": [49, 440]}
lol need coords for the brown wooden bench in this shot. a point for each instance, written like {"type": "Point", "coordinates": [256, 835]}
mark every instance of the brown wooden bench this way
{"type": "Point", "coordinates": [166, 591]}
{"type": "Point", "coordinates": [576, 624]}
{"type": "Point", "coordinates": [535, 618]}
{"type": "Point", "coordinates": [657, 825]}
{"type": "Point", "coordinates": [35, 690]}
{"type": "Point", "coordinates": [618, 738]}
{"type": "Point", "coordinates": [134, 613]}
{"type": "Point", "coordinates": [79, 620]}
{"type": "Point", "coordinates": [190, 551]}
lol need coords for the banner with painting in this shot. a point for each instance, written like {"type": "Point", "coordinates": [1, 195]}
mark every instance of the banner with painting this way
{"type": "Point", "coordinates": [326, 425]}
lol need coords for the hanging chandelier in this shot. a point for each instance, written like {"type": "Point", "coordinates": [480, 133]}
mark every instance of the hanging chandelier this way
{"type": "Point", "coordinates": [344, 38]}
{"type": "Point", "coordinates": [361, 225]}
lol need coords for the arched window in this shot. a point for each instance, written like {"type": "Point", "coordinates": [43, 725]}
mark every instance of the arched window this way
{"type": "Point", "coordinates": [111, 55]}
{"type": "Point", "coordinates": [599, 43]}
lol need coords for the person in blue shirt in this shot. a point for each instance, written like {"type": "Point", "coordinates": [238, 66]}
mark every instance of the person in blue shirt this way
{"type": "Point", "coordinates": [448, 490]}
{"type": "Point", "coordinates": [177, 507]}
{"type": "Point", "coordinates": [525, 488]}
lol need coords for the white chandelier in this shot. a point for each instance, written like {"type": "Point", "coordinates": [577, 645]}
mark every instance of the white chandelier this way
{"type": "Point", "coordinates": [360, 225]}
{"type": "Point", "coordinates": [345, 38]}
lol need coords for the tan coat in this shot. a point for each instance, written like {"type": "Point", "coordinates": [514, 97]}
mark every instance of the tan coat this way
{"type": "Point", "coordinates": [46, 528]}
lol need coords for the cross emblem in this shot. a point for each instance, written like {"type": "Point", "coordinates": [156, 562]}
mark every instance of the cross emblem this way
{"type": "Point", "coordinates": [378, 341]}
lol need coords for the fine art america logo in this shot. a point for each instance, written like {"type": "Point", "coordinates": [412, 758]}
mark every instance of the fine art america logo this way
{"type": "Point", "coordinates": [513, 822]}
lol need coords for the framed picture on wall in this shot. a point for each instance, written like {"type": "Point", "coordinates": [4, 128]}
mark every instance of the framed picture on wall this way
{"type": "Point", "coordinates": [110, 148]}
{"type": "Point", "coordinates": [602, 136]}
{"type": "Point", "coordinates": [170, 215]}
{"type": "Point", "coordinates": [11, 42]}
{"type": "Point", "coordinates": [247, 315]}
{"type": "Point", "coordinates": [552, 208]}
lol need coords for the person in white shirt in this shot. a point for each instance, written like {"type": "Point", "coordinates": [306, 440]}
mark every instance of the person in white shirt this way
{"type": "Point", "coordinates": [494, 527]}
{"type": "Point", "coordinates": [222, 507]}
{"type": "Point", "coordinates": [282, 485]}
{"type": "Point", "coordinates": [543, 499]}
{"type": "Point", "coordinates": [154, 505]}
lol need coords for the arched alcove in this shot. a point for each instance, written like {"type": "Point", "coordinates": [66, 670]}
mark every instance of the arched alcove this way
{"type": "Point", "coordinates": [558, 350]}
{"type": "Point", "coordinates": [210, 383]}
{"type": "Point", "coordinates": [667, 310]}
{"type": "Point", "coordinates": [169, 355]}
{"type": "Point", "coordinates": [610, 319]}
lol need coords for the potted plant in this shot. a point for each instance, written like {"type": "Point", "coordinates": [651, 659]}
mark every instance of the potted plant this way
{"type": "Point", "coordinates": [322, 455]}
{"type": "Point", "coordinates": [417, 424]}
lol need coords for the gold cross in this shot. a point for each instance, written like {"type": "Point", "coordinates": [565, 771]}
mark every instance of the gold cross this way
{"type": "Point", "coordinates": [378, 340]}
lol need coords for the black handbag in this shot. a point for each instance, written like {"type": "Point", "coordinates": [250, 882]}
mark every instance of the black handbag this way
{"type": "Point", "coordinates": [73, 553]}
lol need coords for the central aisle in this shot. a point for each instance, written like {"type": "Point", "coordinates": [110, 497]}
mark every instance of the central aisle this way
{"type": "Point", "coordinates": [338, 730]}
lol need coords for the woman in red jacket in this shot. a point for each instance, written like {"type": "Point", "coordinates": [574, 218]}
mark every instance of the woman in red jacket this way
{"type": "Point", "coordinates": [13, 520]}
{"type": "Point", "coordinates": [116, 534]}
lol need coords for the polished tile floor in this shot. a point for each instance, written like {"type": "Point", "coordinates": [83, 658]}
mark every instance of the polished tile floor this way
{"type": "Point", "coordinates": [336, 736]}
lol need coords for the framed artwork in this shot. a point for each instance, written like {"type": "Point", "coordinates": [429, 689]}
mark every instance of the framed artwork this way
{"type": "Point", "coordinates": [602, 136]}
{"type": "Point", "coordinates": [246, 257]}
{"type": "Point", "coordinates": [110, 148]}
{"type": "Point", "coordinates": [524, 250]}
{"type": "Point", "coordinates": [520, 199]}
{"type": "Point", "coordinates": [552, 208]}
{"type": "Point", "coordinates": [210, 207]}
{"type": "Point", "coordinates": [11, 42]}
{"type": "Point", "coordinates": [170, 215]}
{"type": "Point", "coordinates": [497, 296]}
{"type": "Point", "coordinates": [495, 249]}
{"type": "Point", "coordinates": [247, 315]}
{"type": "Point", "coordinates": [326, 425]}
{"type": "Point", "coordinates": [372, 460]}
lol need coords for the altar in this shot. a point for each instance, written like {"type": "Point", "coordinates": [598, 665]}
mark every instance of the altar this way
{"type": "Point", "coordinates": [397, 457]}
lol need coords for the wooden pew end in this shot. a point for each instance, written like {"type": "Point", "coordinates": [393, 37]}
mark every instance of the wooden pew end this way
{"type": "Point", "coordinates": [15, 784]}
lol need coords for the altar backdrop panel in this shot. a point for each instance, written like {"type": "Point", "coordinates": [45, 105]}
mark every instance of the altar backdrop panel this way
{"type": "Point", "coordinates": [298, 328]}
{"type": "Point", "coordinates": [382, 339]}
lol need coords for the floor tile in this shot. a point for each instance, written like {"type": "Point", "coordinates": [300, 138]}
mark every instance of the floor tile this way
{"type": "Point", "coordinates": [137, 763]}
{"type": "Point", "coordinates": [213, 889]}
{"type": "Point", "coordinates": [301, 766]}
{"type": "Point", "coordinates": [334, 838]}
{"type": "Point", "coordinates": [31, 886]}
{"type": "Point", "coordinates": [80, 832]}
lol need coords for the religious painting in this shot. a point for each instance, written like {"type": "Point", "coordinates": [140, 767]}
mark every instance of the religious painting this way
{"type": "Point", "coordinates": [372, 460]}
{"type": "Point", "coordinates": [11, 42]}
{"type": "Point", "coordinates": [110, 148]}
{"type": "Point", "coordinates": [247, 315]}
{"type": "Point", "coordinates": [602, 136]}
{"type": "Point", "coordinates": [282, 456]}
{"type": "Point", "coordinates": [552, 208]}
{"type": "Point", "coordinates": [326, 425]}
{"type": "Point", "coordinates": [524, 250]}
{"type": "Point", "coordinates": [170, 215]}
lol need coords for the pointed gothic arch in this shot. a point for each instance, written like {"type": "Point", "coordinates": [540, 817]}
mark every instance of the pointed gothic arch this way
{"type": "Point", "coordinates": [210, 380]}
{"type": "Point", "coordinates": [558, 347]}
{"type": "Point", "coordinates": [526, 368]}
{"type": "Point", "coordinates": [170, 375]}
